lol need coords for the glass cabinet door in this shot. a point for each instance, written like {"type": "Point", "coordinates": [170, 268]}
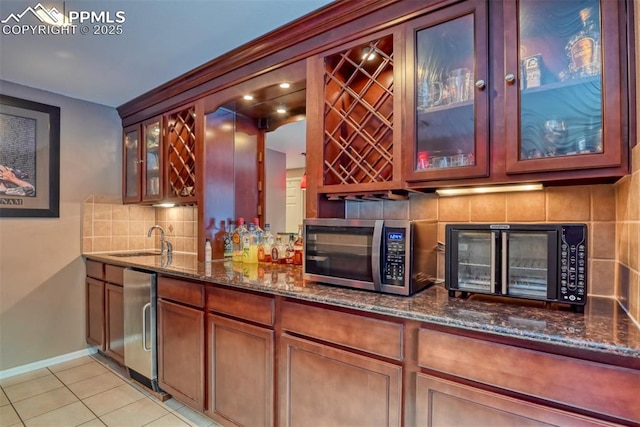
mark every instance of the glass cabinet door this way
{"type": "Point", "coordinates": [131, 164]}
{"type": "Point", "coordinates": [449, 93]}
{"type": "Point", "coordinates": [559, 84]}
{"type": "Point", "coordinates": [152, 165]}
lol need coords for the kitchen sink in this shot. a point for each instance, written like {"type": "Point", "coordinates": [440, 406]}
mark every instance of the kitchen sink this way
{"type": "Point", "coordinates": [130, 254]}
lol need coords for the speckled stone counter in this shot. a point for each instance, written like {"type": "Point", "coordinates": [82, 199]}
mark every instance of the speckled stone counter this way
{"type": "Point", "coordinates": [604, 328]}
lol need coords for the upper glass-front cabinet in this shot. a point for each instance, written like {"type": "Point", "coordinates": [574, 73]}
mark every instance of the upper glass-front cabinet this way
{"type": "Point", "coordinates": [131, 164]}
{"type": "Point", "coordinates": [449, 67]}
{"type": "Point", "coordinates": [562, 74]}
{"type": "Point", "coordinates": [152, 165]}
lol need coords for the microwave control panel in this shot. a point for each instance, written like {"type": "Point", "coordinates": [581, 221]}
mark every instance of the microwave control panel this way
{"type": "Point", "coordinates": [573, 262]}
{"type": "Point", "coordinates": [394, 258]}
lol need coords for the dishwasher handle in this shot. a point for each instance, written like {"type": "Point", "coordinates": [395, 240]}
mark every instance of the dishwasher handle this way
{"type": "Point", "coordinates": [144, 327]}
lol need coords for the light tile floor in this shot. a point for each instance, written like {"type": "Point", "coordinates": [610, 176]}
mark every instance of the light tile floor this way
{"type": "Point", "coordinates": [88, 391]}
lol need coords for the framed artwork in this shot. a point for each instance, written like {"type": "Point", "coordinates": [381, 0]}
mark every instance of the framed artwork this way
{"type": "Point", "coordinates": [29, 159]}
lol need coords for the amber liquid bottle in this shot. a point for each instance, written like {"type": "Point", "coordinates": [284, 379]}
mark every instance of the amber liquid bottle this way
{"type": "Point", "coordinates": [298, 247]}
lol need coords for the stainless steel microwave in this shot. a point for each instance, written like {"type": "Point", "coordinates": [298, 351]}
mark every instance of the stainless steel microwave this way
{"type": "Point", "coordinates": [389, 256]}
{"type": "Point", "coordinates": [546, 262]}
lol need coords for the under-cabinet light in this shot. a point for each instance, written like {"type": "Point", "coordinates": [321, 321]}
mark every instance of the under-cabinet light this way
{"type": "Point", "coordinates": [466, 191]}
{"type": "Point", "coordinates": [285, 85]}
{"type": "Point", "coordinates": [163, 205]}
{"type": "Point", "coordinates": [281, 109]}
{"type": "Point", "coordinates": [247, 97]}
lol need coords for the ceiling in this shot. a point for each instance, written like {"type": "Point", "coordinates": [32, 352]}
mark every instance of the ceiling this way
{"type": "Point", "coordinates": [160, 40]}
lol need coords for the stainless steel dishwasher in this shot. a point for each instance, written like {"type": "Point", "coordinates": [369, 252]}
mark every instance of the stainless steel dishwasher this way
{"type": "Point", "coordinates": [140, 327]}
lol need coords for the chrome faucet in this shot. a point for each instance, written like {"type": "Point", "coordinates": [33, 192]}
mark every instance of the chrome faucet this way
{"type": "Point", "coordinates": [162, 241]}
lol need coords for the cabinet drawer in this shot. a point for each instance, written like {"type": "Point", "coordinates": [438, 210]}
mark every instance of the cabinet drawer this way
{"type": "Point", "coordinates": [578, 383]}
{"type": "Point", "coordinates": [243, 305]}
{"type": "Point", "coordinates": [181, 291]}
{"type": "Point", "coordinates": [114, 274]}
{"type": "Point", "coordinates": [95, 269]}
{"type": "Point", "coordinates": [374, 336]}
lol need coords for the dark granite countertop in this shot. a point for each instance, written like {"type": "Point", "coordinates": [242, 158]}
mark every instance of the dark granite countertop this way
{"type": "Point", "coordinates": [604, 327]}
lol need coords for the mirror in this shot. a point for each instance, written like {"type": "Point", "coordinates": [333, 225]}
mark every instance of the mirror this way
{"type": "Point", "coordinates": [279, 111]}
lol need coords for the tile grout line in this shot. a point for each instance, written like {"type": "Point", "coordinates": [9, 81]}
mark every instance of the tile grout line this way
{"type": "Point", "coordinates": [75, 395]}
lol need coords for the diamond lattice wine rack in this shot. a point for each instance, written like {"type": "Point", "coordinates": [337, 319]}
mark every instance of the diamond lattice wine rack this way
{"type": "Point", "coordinates": [358, 114]}
{"type": "Point", "coordinates": [181, 150]}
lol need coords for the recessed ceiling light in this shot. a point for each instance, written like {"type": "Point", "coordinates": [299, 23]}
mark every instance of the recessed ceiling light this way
{"type": "Point", "coordinates": [281, 109]}
{"type": "Point", "coordinates": [248, 97]}
{"type": "Point", "coordinates": [285, 85]}
{"type": "Point", "coordinates": [368, 53]}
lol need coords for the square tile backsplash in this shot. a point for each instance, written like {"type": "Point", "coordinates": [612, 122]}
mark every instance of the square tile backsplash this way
{"type": "Point", "coordinates": [107, 225]}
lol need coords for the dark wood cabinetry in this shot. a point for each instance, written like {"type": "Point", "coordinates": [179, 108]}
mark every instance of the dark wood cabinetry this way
{"type": "Point", "coordinates": [95, 312]}
{"type": "Point", "coordinates": [160, 158]}
{"type": "Point", "coordinates": [442, 402]}
{"type": "Point", "coordinates": [240, 374]}
{"type": "Point", "coordinates": [105, 323]}
{"type": "Point", "coordinates": [240, 357]}
{"type": "Point", "coordinates": [528, 112]}
{"type": "Point", "coordinates": [361, 133]}
{"type": "Point", "coordinates": [181, 341]}
{"type": "Point", "coordinates": [535, 376]}
{"type": "Point", "coordinates": [335, 387]}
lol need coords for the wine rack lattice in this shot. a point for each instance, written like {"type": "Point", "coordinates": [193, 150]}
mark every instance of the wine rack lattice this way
{"type": "Point", "coordinates": [358, 114]}
{"type": "Point", "coordinates": [181, 150]}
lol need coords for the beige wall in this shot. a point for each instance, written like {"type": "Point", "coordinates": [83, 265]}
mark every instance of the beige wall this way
{"type": "Point", "coordinates": [42, 307]}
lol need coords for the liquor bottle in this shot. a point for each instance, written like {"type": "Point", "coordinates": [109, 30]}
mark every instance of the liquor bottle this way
{"type": "Point", "coordinates": [207, 250]}
{"type": "Point", "coordinates": [583, 48]}
{"type": "Point", "coordinates": [238, 237]}
{"type": "Point", "coordinates": [259, 236]}
{"type": "Point", "coordinates": [250, 246]}
{"type": "Point", "coordinates": [266, 245]}
{"type": "Point", "coordinates": [275, 251]}
{"type": "Point", "coordinates": [298, 247]}
{"type": "Point", "coordinates": [289, 251]}
{"type": "Point", "coordinates": [228, 241]}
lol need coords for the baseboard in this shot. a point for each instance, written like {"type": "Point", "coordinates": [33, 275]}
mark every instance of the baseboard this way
{"type": "Point", "coordinates": [47, 362]}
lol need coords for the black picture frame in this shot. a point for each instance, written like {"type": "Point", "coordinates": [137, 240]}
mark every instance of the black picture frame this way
{"type": "Point", "coordinates": [29, 159]}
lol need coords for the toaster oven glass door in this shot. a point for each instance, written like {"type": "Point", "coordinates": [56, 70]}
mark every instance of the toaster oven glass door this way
{"type": "Point", "coordinates": [340, 252]}
{"type": "Point", "coordinates": [526, 270]}
{"type": "Point", "coordinates": [476, 254]}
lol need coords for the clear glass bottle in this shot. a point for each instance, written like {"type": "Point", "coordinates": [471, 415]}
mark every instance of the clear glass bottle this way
{"type": "Point", "coordinates": [583, 48]}
{"type": "Point", "coordinates": [207, 251]}
{"type": "Point", "coordinates": [298, 247]}
{"type": "Point", "coordinates": [250, 246]}
{"type": "Point", "coordinates": [228, 241]}
{"type": "Point", "coordinates": [266, 245]}
{"type": "Point", "coordinates": [238, 240]}
{"type": "Point", "coordinates": [275, 251]}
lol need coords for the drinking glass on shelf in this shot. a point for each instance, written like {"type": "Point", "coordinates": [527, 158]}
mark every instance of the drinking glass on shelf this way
{"type": "Point", "coordinates": [555, 136]}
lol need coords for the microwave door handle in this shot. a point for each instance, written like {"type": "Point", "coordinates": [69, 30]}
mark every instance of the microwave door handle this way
{"type": "Point", "coordinates": [505, 259]}
{"type": "Point", "coordinates": [375, 254]}
{"type": "Point", "coordinates": [492, 285]}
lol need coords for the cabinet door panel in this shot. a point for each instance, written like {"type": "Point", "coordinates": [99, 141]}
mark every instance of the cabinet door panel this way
{"type": "Point", "coordinates": [240, 362]}
{"type": "Point", "coordinates": [114, 325]}
{"type": "Point", "coordinates": [152, 160]}
{"type": "Point", "coordinates": [181, 353]}
{"type": "Point", "coordinates": [565, 61]}
{"type": "Point", "coordinates": [131, 166]}
{"type": "Point", "coordinates": [95, 312]}
{"type": "Point", "coordinates": [445, 403]}
{"type": "Point", "coordinates": [449, 72]}
{"type": "Point", "coordinates": [336, 388]}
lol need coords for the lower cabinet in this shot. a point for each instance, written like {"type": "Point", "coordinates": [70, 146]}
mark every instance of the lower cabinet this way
{"type": "Point", "coordinates": [95, 312]}
{"type": "Point", "coordinates": [240, 372]}
{"type": "Point", "coordinates": [181, 353]}
{"type": "Point", "coordinates": [326, 386]}
{"type": "Point", "coordinates": [114, 322]}
{"type": "Point", "coordinates": [446, 403]}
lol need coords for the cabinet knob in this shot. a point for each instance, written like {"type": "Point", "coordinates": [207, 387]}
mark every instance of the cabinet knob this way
{"type": "Point", "coordinates": [510, 78]}
{"type": "Point", "coordinates": [480, 84]}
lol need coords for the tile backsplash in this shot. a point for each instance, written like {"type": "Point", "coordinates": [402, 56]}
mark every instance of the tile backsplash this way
{"type": "Point", "coordinates": [108, 225]}
{"type": "Point", "coordinates": [594, 205]}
